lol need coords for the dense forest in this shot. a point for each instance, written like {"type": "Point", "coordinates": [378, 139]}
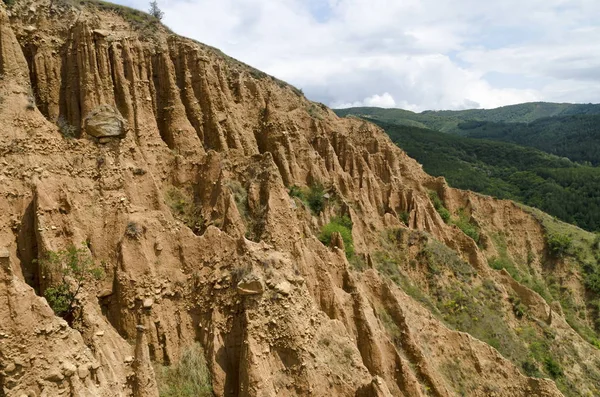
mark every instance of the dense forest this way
{"type": "Point", "coordinates": [559, 186]}
{"type": "Point", "coordinates": [566, 130]}
{"type": "Point", "coordinates": [576, 137]}
{"type": "Point", "coordinates": [449, 120]}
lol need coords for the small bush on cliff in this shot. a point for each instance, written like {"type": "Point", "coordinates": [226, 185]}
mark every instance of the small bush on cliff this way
{"type": "Point", "coordinates": [404, 217]}
{"type": "Point", "coordinates": [343, 226]}
{"type": "Point", "coordinates": [134, 230]}
{"type": "Point", "coordinates": [296, 191]}
{"type": "Point", "coordinates": [74, 268]}
{"type": "Point", "coordinates": [240, 196]}
{"type": "Point", "coordinates": [155, 11]}
{"type": "Point", "coordinates": [559, 244]}
{"type": "Point", "coordinates": [464, 223]}
{"type": "Point", "coordinates": [315, 198]}
{"type": "Point", "coordinates": [438, 204]}
{"type": "Point", "coordinates": [184, 208]}
{"type": "Point", "coordinates": [67, 130]}
{"type": "Point", "coordinates": [188, 378]}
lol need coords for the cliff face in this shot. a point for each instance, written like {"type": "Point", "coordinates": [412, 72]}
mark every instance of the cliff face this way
{"type": "Point", "coordinates": [173, 164]}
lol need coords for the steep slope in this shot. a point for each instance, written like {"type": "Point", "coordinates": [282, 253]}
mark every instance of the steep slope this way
{"type": "Point", "coordinates": [575, 137]}
{"type": "Point", "coordinates": [176, 181]}
{"type": "Point", "coordinates": [560, 187]}
{"type": "Point", "coordinates": [565, 130]}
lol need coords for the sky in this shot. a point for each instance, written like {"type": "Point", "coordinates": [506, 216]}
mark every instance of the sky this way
{"type": "Point", "coordinates": [410, 54]}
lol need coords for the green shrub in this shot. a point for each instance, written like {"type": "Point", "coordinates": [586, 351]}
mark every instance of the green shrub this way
{"type": "Point", "coordinates": [60, 299]}
{"type": "Point", "coordinates": [404, 217]}
{"type": "Point", "coordinates": [133, 230]}
{"type": "Point", "coordinates": [438, 204]}
{"type": "Point", "coordinates": [184, 209]}
{"type": "Point", "coordinates": [316, 198]}
{"type": "Point", "coordinates": [531, 369]}
{"type": "Point", "coordinates": [553, 367]}
{"type": "Point", "coordinates": [67, 130]}
{"type": "Point", "coordinates": [343, 226]}
{"type": "Point", "coordinates": [296, 191]}
{"type": "Point", "coordinates": [240, 196]}
{"type": "Point", "coordinates": [463, 222]}
{"type": "Point", "coordinates": [559, 244]}
{"type": "Point", "coordinates": [188, 378]}
{"type": "Point", "coordinates": [74, 267]}
{"type": "Point", "coordinates": [504, 262]}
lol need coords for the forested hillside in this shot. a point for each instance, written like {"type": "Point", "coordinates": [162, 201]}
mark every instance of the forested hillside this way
{"type": "Point", "coordinates": [556, 185]}
{"type": "Point", "coordinates": [566, 130]}
{"type": "Point", "coordinates": [576, 137]}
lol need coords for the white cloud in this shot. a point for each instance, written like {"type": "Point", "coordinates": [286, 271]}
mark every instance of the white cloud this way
{"type": "Point", "coordinates": [414, 54]}
{"type": "Point", "coordinates": [384, 100]}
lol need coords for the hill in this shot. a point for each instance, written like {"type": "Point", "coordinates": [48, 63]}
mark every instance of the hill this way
{"type": "Point", "coordinates": [576, 137]}
{"type": "Point", "coordinates": [571, 131]}
{"type": "Point", "coordinates": [553, 184]}
{"type": "Point", "coordinates": [176, 223]}
{"type": "Point", "coordinates": [448, 120]}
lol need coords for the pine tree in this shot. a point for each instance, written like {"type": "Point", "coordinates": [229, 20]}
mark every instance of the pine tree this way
{"type": "Point", "coordinates": [155, 11]}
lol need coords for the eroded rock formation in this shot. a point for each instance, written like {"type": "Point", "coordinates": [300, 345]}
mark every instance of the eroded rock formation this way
{"type": "Point", "coordinates": [190, 217]}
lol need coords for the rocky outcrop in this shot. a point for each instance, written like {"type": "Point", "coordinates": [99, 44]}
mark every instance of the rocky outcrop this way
{"type": "Point", "coordinates": [190, 217]}
{"type": "Point", "coordinates": [104, 123]}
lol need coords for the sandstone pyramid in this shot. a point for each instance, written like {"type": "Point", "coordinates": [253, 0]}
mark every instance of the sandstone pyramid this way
{"type": "Point", "coordinates": [173, 164]}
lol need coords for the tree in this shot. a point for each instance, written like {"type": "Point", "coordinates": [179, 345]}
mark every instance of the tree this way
{"type": "Point", "coordinates": [155, 11]}
{"type": "Point", "coordinates": [74, 267]}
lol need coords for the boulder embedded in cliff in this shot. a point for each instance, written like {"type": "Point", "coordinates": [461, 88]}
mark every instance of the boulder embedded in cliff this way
{"type": "Point", "coordinates": [250, 286]}
{"type": "Point", "coordinates": [105, 122]}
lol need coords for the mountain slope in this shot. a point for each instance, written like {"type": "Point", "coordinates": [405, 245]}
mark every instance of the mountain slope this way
{"type": "Point", "coordinates": [521, 113]}
{"type": "Point", "coordinates": [564, 130]}
{"type": "Point", "coordinates": [556, 185]}
{"type": "Point", "coordinates": [203, 190]}
{"type": "Point", "coordinates": [574, 137]}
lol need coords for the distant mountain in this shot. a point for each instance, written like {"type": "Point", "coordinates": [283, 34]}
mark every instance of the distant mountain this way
{"type": "Point", "coordinates": [576, 137]}
{"type": "Point", "coordinates": [566, 130]}
{"type": "Point", "coordinates": [559, 186]}
{"type": "Point", "coordinates": [521, 113]}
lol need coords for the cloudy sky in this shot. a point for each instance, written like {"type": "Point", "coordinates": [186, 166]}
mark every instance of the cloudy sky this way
{"type": "Point", "coordinates": [411, 54]}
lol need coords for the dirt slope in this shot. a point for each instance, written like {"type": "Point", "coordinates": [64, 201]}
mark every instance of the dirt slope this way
{"type": "Point", "coordinates": [177, 179]}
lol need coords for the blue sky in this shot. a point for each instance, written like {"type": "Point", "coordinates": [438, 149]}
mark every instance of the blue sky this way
{"type": "Point", "coordinates": [411, 54]}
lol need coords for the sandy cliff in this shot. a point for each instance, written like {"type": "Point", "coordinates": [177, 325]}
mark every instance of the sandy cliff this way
{"type": "Point", "coordinates": [235, 263]}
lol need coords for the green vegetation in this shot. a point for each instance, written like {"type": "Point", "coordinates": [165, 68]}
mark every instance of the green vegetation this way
{"type": "Point", "coordinates": [240, 196]}
{"type": "Point", "coordinates": [404, 217]}
{"type": "Point", "coordinates": [188, 378]}
{"type": "Point", "coordinates": [555, 185]}
{"type": "Point", "coordinates": [73, 267]}
{"type": "Point", "coordinates": [449, 120]}
{"type": "Point", "coordinates": [464, 223]}
{"type": "Point", "coordinates": [155, 11]}
{"type": "Point", "coordinates": [462, 220]}
{"type": "Point", "coordinates": [438, 204]}
{"type": "Point", "coordinates": [314, 196]}
{"type": "Point", "coordinates": [138, 19]}
{"type": "Point", "coordinates": [469, 304]}
{"type": "Point", "coordinates": [575, 137]}
{"type": "Point", "coordinates": [343, 226]}
{"type": "Point", "coordinates": [183, 208]}
{"type": "Point", "coordinates": [134, 230]}
{"type": "Point", "coordinates": [67, 130]}
{"type": "Point", "coordinates": [559, 244]}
